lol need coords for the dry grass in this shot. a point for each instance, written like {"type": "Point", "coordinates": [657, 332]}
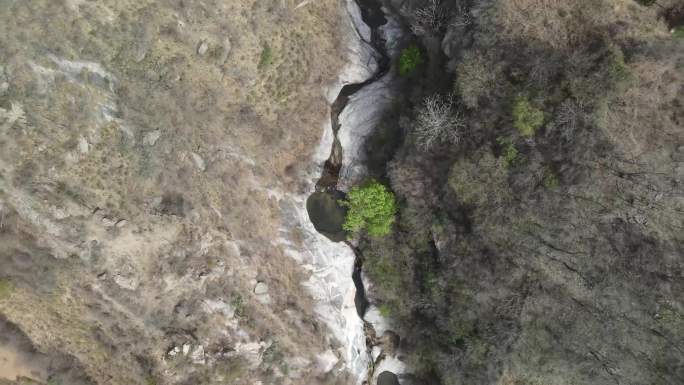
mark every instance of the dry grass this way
{"type": "Point", "coordinates": [138, 70]}
{"type": "Point", "coordinates": [648, 114]}
{"type": "Point", "coordinates": [564, 24]}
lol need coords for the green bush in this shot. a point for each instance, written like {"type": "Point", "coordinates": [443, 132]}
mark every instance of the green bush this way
{"type": "Point", "coordinates": [508, 151]}
{"type": "Point", "coordinates": [371, 207]}
{"type": "Point", "coordinates": [411, 57]}
{"type": "Point", "coordinates": [238, 304]}
{"type": "Point", "coordinates": [526, 118]}
{"type": "Point", "coordinates": [617, 69]}
{"type": "Point", "coordinates": [385, 310]}
{"type": "Point", "coordinates": [678, 33]}
{"type": "Point", "coordinates": [550, 179]}
{"type": "Point", "coordinates": [384, 271]}
{"type": "Point", "coordinates": [266, 57]}
{"type": "Point", "coordinates": [5, 288]}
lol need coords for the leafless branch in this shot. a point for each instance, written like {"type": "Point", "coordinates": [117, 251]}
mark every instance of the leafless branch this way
{"type": "Point", "coordinates": [438, 121]}
{"type": "Point", "coordinates": [429, 19]}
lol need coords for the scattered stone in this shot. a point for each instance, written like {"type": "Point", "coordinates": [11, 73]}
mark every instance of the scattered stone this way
{"type": "Point", "coordinates": [202, 48]}
{"type": "Point", "coordinates": [326, 361]}
{"type": "Point", "coordinates": [85, 253]}
{"type": "Point", "coordinates": [83, 145]}
{"type": "Point", "coordinates": [108, 222]}
{"type": "Point", "coordinates": [150, 139]}
{"type": "Point", "coordinates": [264, 299]}
{"type": "Point", "coordinates": [197, 356]}
{"type": "Point", "coordinates": [227, 47]}
{"type": "Point", "coordinates": [261, 288]}
{"type": "Point", "coordinates": [58, 213]}
{"type": "Point", "coordinates": [375, 353]}
{"type": "Point", "coordinates": [261, 291]}
{"type": "Point", "coordinates": [198, 161]}
{"type": "Point", "coordinates": [174, 352]}
{"type": "Point", "coordinates": [121, 223]}
{"type": "Point", "coordinates": [128, 283]}
{"type": "Point", "coordinates": [186, 349]}
{"type": "Point", "coordinates": [220, 306]}
{"type": "Point", "coordinates": [251, 352]}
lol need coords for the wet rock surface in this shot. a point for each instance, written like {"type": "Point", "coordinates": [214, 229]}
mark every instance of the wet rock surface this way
{"type": "Point", "coordinates": [355, 115]}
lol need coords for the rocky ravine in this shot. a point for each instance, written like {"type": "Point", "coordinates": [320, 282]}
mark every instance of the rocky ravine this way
{"type": "Point", "coordinates": [372, 348]}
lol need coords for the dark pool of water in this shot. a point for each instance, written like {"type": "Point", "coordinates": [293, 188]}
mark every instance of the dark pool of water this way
{"type": "Point", "coordinates": [388, 378]}
{"type": "Point", "coordinates": [326, 214]}
{"type": "Point", "coordinates": [371, 13]}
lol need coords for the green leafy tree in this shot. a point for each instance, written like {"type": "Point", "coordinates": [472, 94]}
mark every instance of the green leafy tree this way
{"type": "Point", "coordinates": [372, 207]}
{"type": "Point", "coordinates": [410, 59]}
{"type": "Point", "coordinates": [526, 118]}
{"type": "Point", "coordinates": [508, 151]}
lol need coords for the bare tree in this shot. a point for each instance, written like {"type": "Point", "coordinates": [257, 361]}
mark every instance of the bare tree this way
{"type": "Point", "coordinates": [569, 116]}
{"type": "Point", "coordinates": [462, 16]}
{"type": "Point", "coordinates": [430, 18]}
{"type": "Point", "coordinates": [438, 121]}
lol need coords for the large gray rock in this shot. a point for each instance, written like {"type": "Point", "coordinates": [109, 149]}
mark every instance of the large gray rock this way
{"type": "Point", "coordinates": [364, 111]}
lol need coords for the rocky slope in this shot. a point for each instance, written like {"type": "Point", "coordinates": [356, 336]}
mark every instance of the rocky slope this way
{"type": "Point", "coordinates": [149, 152]}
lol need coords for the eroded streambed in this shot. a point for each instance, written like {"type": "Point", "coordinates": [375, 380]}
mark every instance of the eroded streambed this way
{"type": "Point", "coordinates": [353, 116]}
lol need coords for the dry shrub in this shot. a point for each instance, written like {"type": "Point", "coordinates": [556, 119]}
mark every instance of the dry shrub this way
{"type": "Point", "coordinates": [648, 113]}
{"type": "Point", "coordinates": [429, 19]}
{"type": "Point", "coordinates": [567, 23]}
{"type": "Point", "coordinates": [476, 78]}
{"type": "Point", "coordinates": [438, 122]}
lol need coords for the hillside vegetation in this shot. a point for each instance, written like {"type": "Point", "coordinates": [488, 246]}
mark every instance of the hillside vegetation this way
{"type": "Point", "coordinates": [546, 245]}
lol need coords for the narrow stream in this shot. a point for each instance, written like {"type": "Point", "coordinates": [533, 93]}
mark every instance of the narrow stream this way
{"type": "Point", "coordinates": [372, 15]}
{"type": "Point", "coordinates": [323, 208]}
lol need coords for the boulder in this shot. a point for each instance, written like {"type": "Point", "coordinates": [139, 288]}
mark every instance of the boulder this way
{"type": "Point", "coordinates": [197, 355]}
{"type": "Point", "coordinates": [198, 161]}
{"type": "Point", "coordinates": [150, 138]}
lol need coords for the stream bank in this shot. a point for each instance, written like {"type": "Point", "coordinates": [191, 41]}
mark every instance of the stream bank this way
{"type": "Point", "coordinates": [355, 114]}
{"type": "Point", "coordinates": [338, 162]}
